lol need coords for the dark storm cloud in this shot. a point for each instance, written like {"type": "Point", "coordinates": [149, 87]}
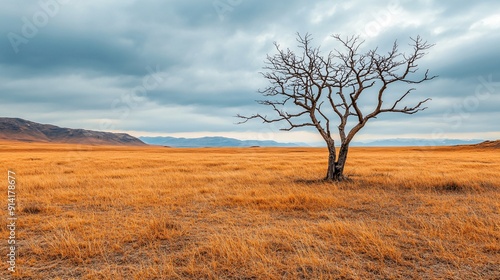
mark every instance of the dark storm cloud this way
{"type": "Point", "coordinates": [88, 60]}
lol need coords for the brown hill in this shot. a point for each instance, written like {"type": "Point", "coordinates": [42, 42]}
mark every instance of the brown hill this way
{"type": "Point", "coordinates": [22, 130]}
{"type": "Point", "coordinates": [489, 144]}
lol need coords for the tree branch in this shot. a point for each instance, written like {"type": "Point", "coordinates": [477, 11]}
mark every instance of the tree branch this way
{"type": "Point", "coordinates": [307, 80]}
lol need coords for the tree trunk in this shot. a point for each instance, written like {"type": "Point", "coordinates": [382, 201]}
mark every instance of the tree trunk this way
{"type": "Point", "coordinates": [335, 170]}
{"type": "Point", "coordinates": [344, 148]}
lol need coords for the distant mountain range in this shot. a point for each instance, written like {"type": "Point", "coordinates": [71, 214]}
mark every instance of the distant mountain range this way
{"type": "Point", "coordinates": [27, 131]}
{"type": "Point", "coordinates": [405, 142]}
{"type": "Point", "coordinates": [231, 142]}
{"type": "Point", "coordinates": [213, 142]}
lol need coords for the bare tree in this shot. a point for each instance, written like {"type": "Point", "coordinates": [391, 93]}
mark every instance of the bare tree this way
{"type": "Point", "coordinates": [308, 89]}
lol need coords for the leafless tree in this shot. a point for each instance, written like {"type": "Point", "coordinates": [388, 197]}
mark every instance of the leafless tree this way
{"type": "Point", "coordinates": [308, 89]}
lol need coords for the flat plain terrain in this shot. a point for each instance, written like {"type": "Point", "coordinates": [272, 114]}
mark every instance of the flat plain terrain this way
{"type": "Point", "coordinates": [90, 212]}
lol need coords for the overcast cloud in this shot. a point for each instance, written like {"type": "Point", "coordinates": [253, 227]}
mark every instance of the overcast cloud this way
{"type": "Point", "coordinates": [186, 68]}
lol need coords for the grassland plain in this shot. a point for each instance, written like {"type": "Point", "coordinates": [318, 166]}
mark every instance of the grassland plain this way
{"type": "Point", "coordinates": [90, 212]}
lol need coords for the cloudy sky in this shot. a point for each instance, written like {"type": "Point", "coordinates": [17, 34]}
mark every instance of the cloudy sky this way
{"type": "Point", "coordinates": [186, 68]}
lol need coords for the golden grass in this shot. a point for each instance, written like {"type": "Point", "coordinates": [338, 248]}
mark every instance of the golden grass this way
{"type": "Point", "coordinates": [88, 212]}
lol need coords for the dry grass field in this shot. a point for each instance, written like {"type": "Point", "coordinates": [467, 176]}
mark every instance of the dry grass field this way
{"type": "Point", "coordinates": [89, 212]}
